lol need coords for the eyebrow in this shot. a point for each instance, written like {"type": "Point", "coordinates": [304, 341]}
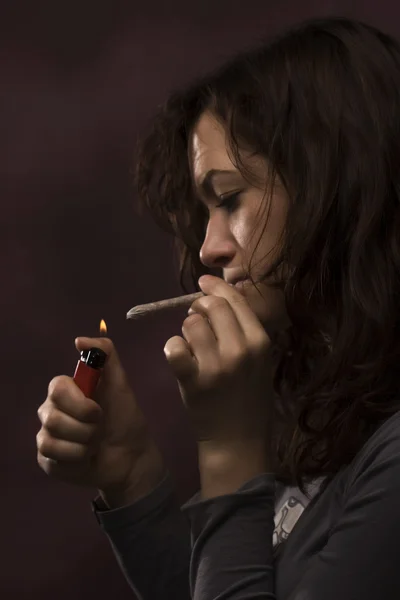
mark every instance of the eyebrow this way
{"type": "Point", "coordinates": [206, 184]}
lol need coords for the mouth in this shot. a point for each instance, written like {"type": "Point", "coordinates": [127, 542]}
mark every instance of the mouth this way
{"type": "Point", "coordinates": [238, 280]}
{"type": "Point", "coordinates": [239, 284]}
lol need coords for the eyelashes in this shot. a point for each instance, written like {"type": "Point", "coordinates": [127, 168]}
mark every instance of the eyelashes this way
{"type": "Point", "coordinates": [230, 201]}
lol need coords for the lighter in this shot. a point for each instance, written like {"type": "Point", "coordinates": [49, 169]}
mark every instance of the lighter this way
{"type": "Point", "coordinates": [88, 370]}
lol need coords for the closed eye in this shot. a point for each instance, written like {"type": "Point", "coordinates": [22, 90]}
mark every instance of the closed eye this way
{"type": "Point", "coordinates": [229, 201]}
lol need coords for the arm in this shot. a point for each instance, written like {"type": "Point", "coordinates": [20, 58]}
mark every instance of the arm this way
{"type": "Point", "coordinates": [232, 536]}
{"type": "Point", "coordinates": [232, 543]}
{"type": "Point", "coordinates": [158, 545]}
{"type": "Point", "coordinates": [232, 522]}
{"type": "Point", "coordinates": [151, 541]}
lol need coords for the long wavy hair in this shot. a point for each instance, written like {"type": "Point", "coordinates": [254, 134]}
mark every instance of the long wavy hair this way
{"type": "Point", "coordinates": [322, 104]}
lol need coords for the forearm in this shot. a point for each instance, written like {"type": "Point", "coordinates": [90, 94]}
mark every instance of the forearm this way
{"type": "Point", "coordinates": [232, 549]}
{"type": "Point", "coordinates": [225, 467]}
{"type": "Point", "coordinates": [151, 541]}
{"type": "Point", "coordinates": [149, 471]}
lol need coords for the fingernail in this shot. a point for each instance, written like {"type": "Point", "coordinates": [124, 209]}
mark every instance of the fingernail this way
{"type": "Point", "coordinates": [191, 311]}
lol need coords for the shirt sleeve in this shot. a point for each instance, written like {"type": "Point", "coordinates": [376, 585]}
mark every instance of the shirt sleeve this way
{"type": "Point", "coordinates": [232, 543]}
{"type": "Point", "coordinates": [360, 559]}
{"type": "Point", "coordinates": [222, 549]}
{"type": "Point", "coordinates": [151, 541]}
{"type": "Point", "coordinates": [207, 549]}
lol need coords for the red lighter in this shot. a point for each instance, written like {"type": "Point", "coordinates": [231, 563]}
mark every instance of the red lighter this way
{"type": "Point", "coordinates": [88, 370]}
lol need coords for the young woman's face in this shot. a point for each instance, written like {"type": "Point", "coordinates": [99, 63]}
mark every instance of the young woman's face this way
{"type": "Point", "coordinates": [236, 208]}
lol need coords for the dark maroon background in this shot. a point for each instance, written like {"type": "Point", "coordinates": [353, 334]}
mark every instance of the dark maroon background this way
{"type": "Point", "coordinates": [78, 82]}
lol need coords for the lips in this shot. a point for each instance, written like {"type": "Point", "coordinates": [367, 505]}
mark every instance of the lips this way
{"type": "Point", "coordinates": [240, 284]}
{"type": "Point", "coordinates": [237, 280]}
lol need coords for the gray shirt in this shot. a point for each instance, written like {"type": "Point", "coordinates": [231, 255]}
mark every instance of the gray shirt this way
{"type": "Point", "coordinates": [268, 542]}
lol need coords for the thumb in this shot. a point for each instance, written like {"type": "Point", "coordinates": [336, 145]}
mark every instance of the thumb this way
{"type": "Point", "coordinates": [113, 377]}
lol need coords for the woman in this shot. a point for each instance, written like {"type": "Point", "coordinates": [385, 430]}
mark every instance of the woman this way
{"type": "Point", "coordinates": [281, 168]}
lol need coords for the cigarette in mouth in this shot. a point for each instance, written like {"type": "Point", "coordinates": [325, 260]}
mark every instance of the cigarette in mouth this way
{"type": "Point", "coordinates": [162, 305]}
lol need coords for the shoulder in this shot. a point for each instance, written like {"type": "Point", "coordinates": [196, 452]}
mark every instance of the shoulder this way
{"type": "Point", "coordinates": [385, 439]}
{"type": "Point", "coordinates": [379, 454]}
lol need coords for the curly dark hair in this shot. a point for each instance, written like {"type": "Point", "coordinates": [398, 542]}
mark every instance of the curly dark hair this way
{"type": "Point", "coordinates": [322, 104]}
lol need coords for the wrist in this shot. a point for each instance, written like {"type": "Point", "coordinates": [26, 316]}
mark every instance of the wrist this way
{"type": "Point", "coordinates": [225, 467]}
{"type": "Point", "coordinates": [149, 470]}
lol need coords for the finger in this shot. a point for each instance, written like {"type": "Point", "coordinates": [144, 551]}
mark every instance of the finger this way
{"type": "Point", "coordinates": [104, 343]}
{"type": "Point", "coordinates": [246, 317]}
{"type": "Point", "coordinates": [60, 469]}
{"type": "Point", "coordinates": [48, 465]}
{"type": "Point", "coordinates": [223, 322]}
{"type": "Point", "coordinates": [203, 344]}
{"type": "Point", "coordinates": [180, 359]}
{"type": "Point", "coordinates": [63, 427]}
{"type": "Point", "coordinates": [65, 394]}
{"type": "Point", "coordinates": [60, 450]}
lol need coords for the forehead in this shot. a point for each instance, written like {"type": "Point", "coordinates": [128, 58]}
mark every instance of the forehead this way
{"type": "Point", "coordinates": [209, 150]}
{"type": "Point", "coordinates": [208, 147]}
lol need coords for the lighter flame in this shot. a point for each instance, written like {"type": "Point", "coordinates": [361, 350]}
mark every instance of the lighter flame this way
{"type": "Point", "coordinates": [103, 327]}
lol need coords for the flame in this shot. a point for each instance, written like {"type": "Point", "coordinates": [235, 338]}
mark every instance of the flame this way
{"type": "Point", "coordinates": [103, 327]}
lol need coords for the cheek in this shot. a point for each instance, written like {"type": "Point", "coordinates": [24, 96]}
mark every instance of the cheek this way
{"type": "Point", "coordinates": [262, 232]}
{"type": "Point", "coordinates": [252, 235]}
{"type": "Point", "coordinates": [243, 227]}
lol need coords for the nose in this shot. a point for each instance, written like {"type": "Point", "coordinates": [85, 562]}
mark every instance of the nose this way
{"type": "Point", "coordinates": [219, 247]}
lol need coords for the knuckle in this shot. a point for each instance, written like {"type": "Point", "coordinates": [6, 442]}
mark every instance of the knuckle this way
{"type": "Point", "coordinates": [62, 390]}
{"type": "Point", "coordinates": [43, 443]}
{"type": "Point", "coordinates": [46, 464]}
{"type": "Point", "coordinates": [58, 386]}
{"type": "Point", "coordinates": [209, 302]}
{"type": "Point", "coordinates": [40, 411]}
{"type": "Point", "coordinates": [239, 299]}
{"type": "Point", "coordinates": [52, 449]}
{"type": "Point", "coordinates": [51, 419]}
{"type": "Point", "coordinates": [47, 413]}
{"type": "Point", "coordinates": [260, 345]}
{"type": "Point", "coordinates": [237, 355]}
{"type": "Point", "coordinates": [39, 436]}
{"type": "Point", "coordinates": [191, 320]}
{"type": "Point", "coordinates": [216, 301]}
